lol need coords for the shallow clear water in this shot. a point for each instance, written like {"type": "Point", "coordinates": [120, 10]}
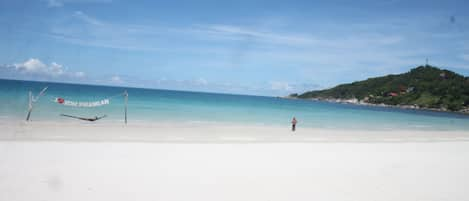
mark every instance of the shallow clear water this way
{"type": "Point", "coordinates": [150, 105]}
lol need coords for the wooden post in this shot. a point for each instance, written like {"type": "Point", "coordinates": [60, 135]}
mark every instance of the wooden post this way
{"type": "Point", "coordinates": [30, 106]}
{"type": "Point", "coordinates": [126, 95]}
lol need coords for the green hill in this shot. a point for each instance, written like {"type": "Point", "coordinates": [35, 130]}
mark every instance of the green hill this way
{"type": "Point", "coordinates": [424, 86]}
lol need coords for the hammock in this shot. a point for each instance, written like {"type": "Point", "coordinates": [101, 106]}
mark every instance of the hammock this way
{"type": "Point", "coordinates": [83, 118]}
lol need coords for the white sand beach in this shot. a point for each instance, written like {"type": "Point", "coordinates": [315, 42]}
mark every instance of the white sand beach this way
{"type": "Point", "coordinates": [79, 161]}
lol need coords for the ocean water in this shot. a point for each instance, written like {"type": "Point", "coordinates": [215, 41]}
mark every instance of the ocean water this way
{"type": "Point", "coordinates": [151, 105]}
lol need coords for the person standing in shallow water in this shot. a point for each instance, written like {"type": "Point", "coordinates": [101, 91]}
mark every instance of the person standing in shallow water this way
{"type": "Point", "coordinates": [293, 124]}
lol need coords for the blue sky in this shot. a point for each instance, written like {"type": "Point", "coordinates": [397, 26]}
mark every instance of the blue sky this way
{"type": "Point", "coordinates": [245, 47]}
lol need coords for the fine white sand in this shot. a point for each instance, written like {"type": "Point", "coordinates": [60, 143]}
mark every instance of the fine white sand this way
{"type": "Point", "coordinates": [53, 162]}
{"type": "Point", "coordinates": [207, 133]}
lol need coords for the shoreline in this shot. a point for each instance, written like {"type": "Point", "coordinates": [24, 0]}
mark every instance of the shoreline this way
{"type": "Point", "coordinates": [210, 133]}
{"type": "Point", "coordinates": [382, 105]}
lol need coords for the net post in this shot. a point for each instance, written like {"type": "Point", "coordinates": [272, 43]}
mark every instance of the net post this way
{"type": "Point", "coordinates": [126, 97]}
{"type": "Point", "coordinates": [30, 105]}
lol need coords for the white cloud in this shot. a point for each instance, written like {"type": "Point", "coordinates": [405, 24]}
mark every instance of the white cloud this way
{"type": "Point", "coordinates": [54, 3]}
{"type": "Point", "coordinates": [35, 66]}
{"type": "Point", "coordinates": [32, 66]}
{"type": "Point", "coordinates": [83, 29]}
{"type": "Point", "coordinates": [201, 81]}
{"type": "Point", "coordinates": [79, 74]}
{"type": "Point", "coordinates": [95, 32]}
{"type": "Point", "coordinates": [283, 86]}
{"type": "Point", "coordinates": [86, 18]}
{"type": "Point", "coordinates": [60, 3]}
{"type": "Point", "coordinates": [56, 69]}
{"type": "Point", "coordinates": [116, 79]}
{"type": "Point", "coordinates": [224, 32]}
{"type": "Point", "coordinates": [241, 33]}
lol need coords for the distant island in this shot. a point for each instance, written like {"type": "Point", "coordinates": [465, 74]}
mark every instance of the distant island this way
{"type": "Point", "coordinates": [424, 87]}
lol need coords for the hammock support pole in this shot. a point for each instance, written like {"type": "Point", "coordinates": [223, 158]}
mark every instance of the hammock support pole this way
{"type": "Point", "coordinates": [30, 105]}
{"type": "Point", "coordinates": [126, 97]}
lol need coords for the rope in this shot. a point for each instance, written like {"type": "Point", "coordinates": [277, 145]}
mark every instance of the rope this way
{"type": "Point", "coordinates": [36, 98]}
{"type": "Point", "coordinates": [119, 94]}
{"type": "Point", "coordinates": [110, 97]}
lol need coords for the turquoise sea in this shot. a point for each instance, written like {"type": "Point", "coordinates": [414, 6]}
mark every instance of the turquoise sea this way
{"type": "Point", "coordinates": [153, 105]}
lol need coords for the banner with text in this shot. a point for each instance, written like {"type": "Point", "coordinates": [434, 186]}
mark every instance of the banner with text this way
{"type": "Point", "coordinates": [82, 104]}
